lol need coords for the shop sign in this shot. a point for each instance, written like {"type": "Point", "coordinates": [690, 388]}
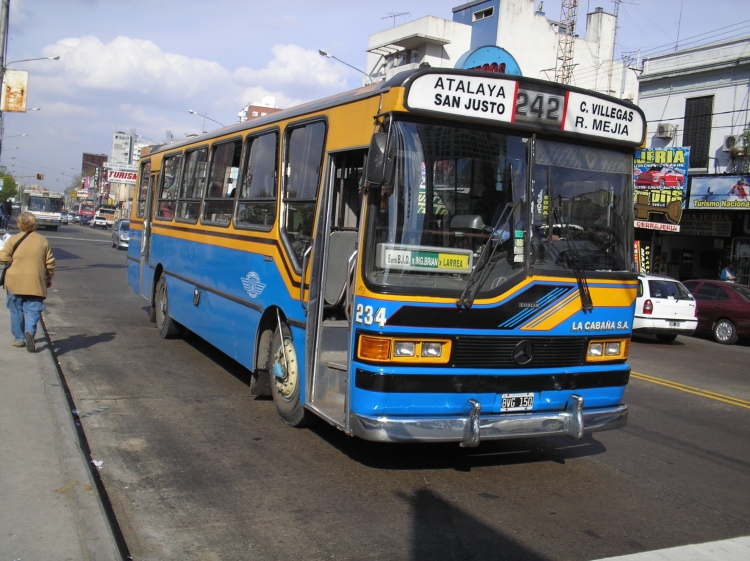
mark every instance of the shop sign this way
{"type": "Point", "coordinates": [720, 192]}
{"type": "Point", "coordinates": [661, 226]}
{"type": "Point", "coordinates": [642, 255]}
{"type": "Point", "coordinates": [711, 225]}
{"type": "Point", "coordinates": [661, 174]}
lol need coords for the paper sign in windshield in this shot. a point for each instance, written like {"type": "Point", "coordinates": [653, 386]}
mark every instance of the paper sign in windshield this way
{"type": "Point", "coordinates": [420, 258]}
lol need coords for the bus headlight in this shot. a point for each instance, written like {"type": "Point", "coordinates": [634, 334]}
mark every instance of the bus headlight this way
{"type": "Point", "coordinates": [607, 350]}
{"type": "Point", "coordinates": [391, 349]}
{"type": "Point", "coordinates": [432, 349]}
{"type": "Point", "coordinates": [404, 348]}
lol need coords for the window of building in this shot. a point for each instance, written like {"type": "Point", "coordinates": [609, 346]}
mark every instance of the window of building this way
{"type": "Point", "coordinates": [170, 180]}
{"type": "Point", "coordinates": [256, 206]}
{"type": "Point", "coordinates": [697, 135]}
{"type": "Point", "coordinates": [483, 14]}
{"type": "Point", "coordinates": [143, 188]}
{"type": "Point", "coordinates": [222, 181]}
{"type": "Point", "coordinates": [304, 159]}
{"type": "Point", "coordinates": [191, 185]}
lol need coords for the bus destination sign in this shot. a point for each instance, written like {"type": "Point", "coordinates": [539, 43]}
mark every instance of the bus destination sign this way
{"type": "Point", "coordinates": [501, 100]}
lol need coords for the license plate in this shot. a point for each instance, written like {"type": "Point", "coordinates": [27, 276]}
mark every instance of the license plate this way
{"type": "Point", "coordinates": [517, 402]}
{"type": "Point", "coordinates": [675, 323]}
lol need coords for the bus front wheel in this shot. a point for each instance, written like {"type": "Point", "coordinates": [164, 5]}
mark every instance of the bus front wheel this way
{"type": "Point", "coordinates": [285, 379]}
{"type": "Point", "coordinates": [166, 325]}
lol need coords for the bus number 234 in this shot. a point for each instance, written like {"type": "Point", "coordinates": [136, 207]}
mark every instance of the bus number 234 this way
{"type": "Point", "coordinates": [364, 314]}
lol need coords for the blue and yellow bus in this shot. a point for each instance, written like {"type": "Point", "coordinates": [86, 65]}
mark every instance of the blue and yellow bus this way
{"type": "Point", "coordinates": [445, 256]}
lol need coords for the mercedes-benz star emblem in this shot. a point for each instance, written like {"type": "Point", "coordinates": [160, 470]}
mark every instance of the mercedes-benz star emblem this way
{"type": "Point", "coordinates": [523, 353]}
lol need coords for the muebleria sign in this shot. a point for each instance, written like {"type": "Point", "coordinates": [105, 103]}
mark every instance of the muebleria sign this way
{"type": "Point", "coordinates": [722, 192]}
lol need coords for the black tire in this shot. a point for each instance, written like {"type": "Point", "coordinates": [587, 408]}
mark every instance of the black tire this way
{"type": "Point", "coordinates": [54, 228]}
{"type": "Point", "coordinates": [286, 392]}
{"type": "Point", "coordinates": [725, 332]}
{"type": "Point", "coordinates": [114, 244]}
{"type": "Point", "coordinates": [665, 338]}
{"type": "Point", "coordinates": [167, 327]}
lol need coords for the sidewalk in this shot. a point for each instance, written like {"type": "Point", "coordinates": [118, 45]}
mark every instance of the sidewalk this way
{"type": "Point", "coordinates": [49, 507]}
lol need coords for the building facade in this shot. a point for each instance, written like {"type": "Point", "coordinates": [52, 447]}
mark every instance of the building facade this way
{"type": "Point", "coordinates": [697, 100]}
{"type": "Point", "coordinates": [517, 26]}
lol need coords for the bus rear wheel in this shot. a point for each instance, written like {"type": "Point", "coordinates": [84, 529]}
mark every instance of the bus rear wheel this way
{"type": "Point", "coordinates": [285, 379]}
{"type": "Point", "coordinates": [166, 325]}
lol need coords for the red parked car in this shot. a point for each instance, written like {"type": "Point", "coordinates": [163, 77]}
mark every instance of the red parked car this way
{"type": "Point", "coordinates": [661, 176]}
{"type": "Point", "coordinates": [723, 308]}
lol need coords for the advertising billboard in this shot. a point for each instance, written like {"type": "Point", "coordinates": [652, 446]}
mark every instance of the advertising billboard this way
{"type": "Point", "coordinates": [15, 88]}
{"type": "Point", "coordinates": [662, 174]}
{"type": "Point", "coordinates": [720, 192]}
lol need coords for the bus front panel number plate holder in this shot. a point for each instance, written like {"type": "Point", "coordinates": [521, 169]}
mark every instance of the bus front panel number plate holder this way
{"type": "Point", "coordinates": [517, 402]}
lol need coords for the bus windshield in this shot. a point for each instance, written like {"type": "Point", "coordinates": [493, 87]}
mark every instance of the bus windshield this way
{"type": "Point", "coordinates": [453, 188]}
{"type": "Point", "coordinates": [581, 196]}
{"type": "Point", "coordinates": [45, 204]}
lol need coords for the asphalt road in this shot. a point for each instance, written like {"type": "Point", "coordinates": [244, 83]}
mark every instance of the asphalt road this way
{"type": "Point", "coordinates": [196, 468]}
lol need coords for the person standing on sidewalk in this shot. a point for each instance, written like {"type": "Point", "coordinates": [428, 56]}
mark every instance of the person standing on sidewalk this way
{"type": "Point", "coordinates": [27, 279]}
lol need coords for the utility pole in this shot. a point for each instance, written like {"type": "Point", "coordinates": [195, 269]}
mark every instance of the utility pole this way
{"type": "Point", "coordinates": [612, 55]}
{"type": "Point", "coordinates": [566, 42]}
{"type": "Point", "coordinates": [4, 16]}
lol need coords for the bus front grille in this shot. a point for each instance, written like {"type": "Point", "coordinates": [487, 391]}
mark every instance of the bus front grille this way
{"type": "Point", "coordinates": [498, 352]}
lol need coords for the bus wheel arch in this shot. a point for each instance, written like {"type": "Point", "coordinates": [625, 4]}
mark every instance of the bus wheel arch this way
{"type": "Point", "coordinates": [260, 384]}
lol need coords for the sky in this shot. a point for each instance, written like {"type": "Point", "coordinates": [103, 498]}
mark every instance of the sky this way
{"type": "Point", "coordinates": [137, 64]}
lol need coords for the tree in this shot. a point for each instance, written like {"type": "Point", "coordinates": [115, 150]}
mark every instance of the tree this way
{"type": "Point", "coordinates": [74, 185]}
{"type": "Point", "coordinates": [10, 187]}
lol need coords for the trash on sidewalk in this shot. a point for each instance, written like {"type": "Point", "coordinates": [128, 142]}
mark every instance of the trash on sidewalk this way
{"type": "Point", "coordinates": [97, 463]}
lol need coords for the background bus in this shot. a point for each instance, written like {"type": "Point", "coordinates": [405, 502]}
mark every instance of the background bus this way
{"type": "Point", "coordinates": [85, 213]}
{"type": "Point", "coordinates": [458, 268]}
{"type": "Point", "coordinates": [45, 205]}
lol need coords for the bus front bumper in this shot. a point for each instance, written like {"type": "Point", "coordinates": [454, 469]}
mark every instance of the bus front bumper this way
{"type": "Point", "coordinates": [473, 428]}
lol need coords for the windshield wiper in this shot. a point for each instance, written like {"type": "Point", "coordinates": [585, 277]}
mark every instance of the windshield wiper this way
{"type": "Point", "coordinates": [577, 265]}
{"type": "Point", "coordinates": [476, 279]}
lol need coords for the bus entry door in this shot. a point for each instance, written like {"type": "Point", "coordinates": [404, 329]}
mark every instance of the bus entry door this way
{"type": "Point", "coordinates": [335, 255]}
{"type": "Point", "coordinates": [146, 274]}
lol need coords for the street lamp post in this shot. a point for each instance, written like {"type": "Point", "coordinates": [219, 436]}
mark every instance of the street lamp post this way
{"type": "Point", "coordinates": [205, 116]}
{"type": "Point", "coordinates": [329, 55]}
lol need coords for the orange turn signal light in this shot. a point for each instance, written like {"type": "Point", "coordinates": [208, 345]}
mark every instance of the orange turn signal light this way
{"type": "Point", "coordinates": [374, 348]}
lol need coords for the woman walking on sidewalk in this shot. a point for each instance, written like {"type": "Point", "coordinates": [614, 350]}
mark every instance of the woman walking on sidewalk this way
{"type": "Point", "coordinates": [27, 279]}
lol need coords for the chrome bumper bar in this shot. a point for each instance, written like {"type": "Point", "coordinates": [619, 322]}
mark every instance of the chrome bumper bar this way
{"type": "Point", "coordinates": [471, 429]}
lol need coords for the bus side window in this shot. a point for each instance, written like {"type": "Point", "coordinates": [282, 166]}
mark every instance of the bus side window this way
{"type": "Point", "coordinates": [303, 162]}
{"type": "Point", "coordinates": [143, 189]}
{"type": "Point", "coordinates": [169, 182]}
{"type": "Point", "coordinates": [256, 206]}
{"type": "Point", "coordinates": [191, 186]}
{"type": "Point", "coordinates": [222, 179]}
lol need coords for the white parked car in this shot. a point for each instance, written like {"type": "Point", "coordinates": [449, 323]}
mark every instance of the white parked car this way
{"type": "Point", "coordinates": [98, 222]}
{"type": "Point", "coordinates": [664, 307]}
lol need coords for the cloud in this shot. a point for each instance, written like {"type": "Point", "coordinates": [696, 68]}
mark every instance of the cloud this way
{"type": "Point", "coordinates": [128, 70]}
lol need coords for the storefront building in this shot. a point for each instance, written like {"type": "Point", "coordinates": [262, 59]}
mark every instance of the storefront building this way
{"type": "Point", "coordinates": [692, 192]}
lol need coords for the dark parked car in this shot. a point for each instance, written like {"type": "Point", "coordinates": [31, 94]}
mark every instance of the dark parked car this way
{"type": "Point", "coordinates": [723, 308]}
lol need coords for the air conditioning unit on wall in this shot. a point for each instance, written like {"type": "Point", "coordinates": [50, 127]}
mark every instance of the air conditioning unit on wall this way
{"type": "Point", "coordinates": [730, 141]}
{"type": "Point", "coordinates": [666, 130]}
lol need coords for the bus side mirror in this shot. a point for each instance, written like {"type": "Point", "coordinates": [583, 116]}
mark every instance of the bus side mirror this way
{"type": "Point", "coordinates": [379, 162]}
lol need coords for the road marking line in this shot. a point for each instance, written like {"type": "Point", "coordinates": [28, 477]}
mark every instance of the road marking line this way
{"type": "Point", "coordinates": [690, 389]}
